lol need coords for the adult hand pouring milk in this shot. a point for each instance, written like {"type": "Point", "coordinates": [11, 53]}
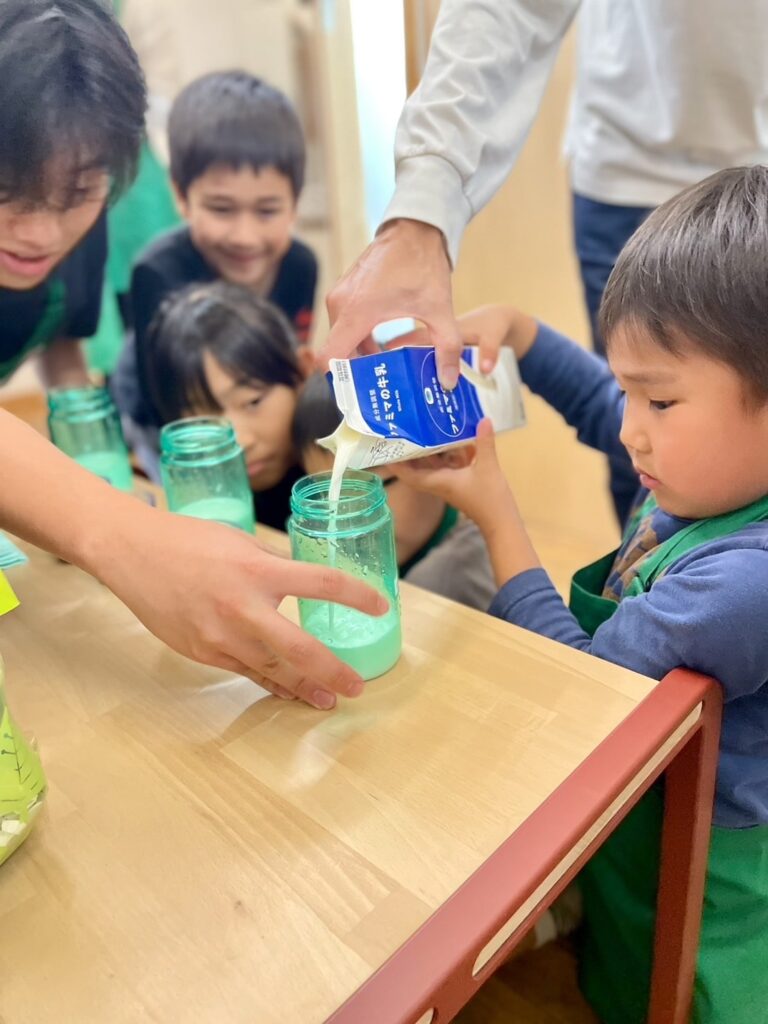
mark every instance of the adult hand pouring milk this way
{"type": "Point", "coordinates": [394, 407]}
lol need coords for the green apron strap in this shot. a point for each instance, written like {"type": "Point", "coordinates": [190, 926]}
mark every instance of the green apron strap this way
{"type": "Point", "coordinates": [586, 600]}
{"type": "Point", "coordinates": [701, 531]}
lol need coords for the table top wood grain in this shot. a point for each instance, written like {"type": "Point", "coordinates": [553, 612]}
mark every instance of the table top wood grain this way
{"type": "Point", "coordinates": [211, 853]}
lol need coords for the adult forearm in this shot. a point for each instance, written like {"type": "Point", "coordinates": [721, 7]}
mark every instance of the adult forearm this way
{"type": "Point", "coordinates": [464, 126]}
{"type": "Point", "coordinates": [49, 500]}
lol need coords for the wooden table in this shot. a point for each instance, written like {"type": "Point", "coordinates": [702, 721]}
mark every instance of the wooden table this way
{"type": "Point", "coordinates": [210, 853]}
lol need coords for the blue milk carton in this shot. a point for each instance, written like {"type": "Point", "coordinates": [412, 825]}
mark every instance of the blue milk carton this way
{"type": "Point", "coordinates": [394, 407]}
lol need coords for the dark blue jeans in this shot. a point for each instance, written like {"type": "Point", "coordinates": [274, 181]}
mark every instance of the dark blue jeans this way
{"type": "Point", "coordinates": [600, 231]}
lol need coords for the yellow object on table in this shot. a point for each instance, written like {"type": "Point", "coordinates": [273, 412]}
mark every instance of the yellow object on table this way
{"type": "Point", "coordinates": [8, 600]}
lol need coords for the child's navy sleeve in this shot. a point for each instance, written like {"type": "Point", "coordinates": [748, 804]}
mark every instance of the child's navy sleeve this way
{"type": "Point", "coordinates": [708, 613]}
{"type": "Point", "coordinates": [580, 386]}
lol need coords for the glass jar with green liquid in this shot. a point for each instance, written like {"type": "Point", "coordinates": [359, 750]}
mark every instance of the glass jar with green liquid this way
{"type": "Point", "coordinates": [204, 473]}
{"type": "Point", "coordinates": [22, 782]}
{"type": "Point", "coordinates": [354, 534]}
{"type": "Point", "coordinates": [84, 424]}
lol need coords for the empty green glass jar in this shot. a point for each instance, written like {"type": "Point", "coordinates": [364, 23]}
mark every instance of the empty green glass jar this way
{"type": "Point", "coordinates": [354, 535]}
{"type": "Point", "coordinates": [203, 471]}
{"type": "Point", "coordinates": [84, 424]}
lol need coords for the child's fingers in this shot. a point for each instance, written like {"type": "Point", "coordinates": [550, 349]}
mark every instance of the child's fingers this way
{"type": "Point", "coordinates": [489, 353]}
{"type": "Point", "coordinates": [485, 444]}
{"type": "Point", "coordinates": [433, 481]}
{"type": "Point", "coordinates": [456, 458]}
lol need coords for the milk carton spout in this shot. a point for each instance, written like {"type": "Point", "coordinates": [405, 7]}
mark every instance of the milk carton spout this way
{"type": "Point", "coordinates": [394, 407]}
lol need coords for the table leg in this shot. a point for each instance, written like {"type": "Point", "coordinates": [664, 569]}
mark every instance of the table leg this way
{"type": "Point", "coordinates": [689, 796]}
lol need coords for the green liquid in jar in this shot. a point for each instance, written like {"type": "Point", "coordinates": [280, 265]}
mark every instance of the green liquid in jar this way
{"type": "Point", "coordinates": [369, 645]}
{"type": "Point", "coordinates": [113, 467]}
{"type": "Point", "coordinates": [229, 511]}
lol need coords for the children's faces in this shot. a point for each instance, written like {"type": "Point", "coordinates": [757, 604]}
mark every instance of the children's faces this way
{"type": "Point", "coordinates": [241, 221]}
{"type": "Point", "coordinates": [693, 436]}
{"type": "Point", "coordinates": [262, 415]}
{"type": "Point", "coordinates": [34, 239]}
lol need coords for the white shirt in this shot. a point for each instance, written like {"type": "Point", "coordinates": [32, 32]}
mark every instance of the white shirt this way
{"type": "Point", "coordinates": [667, 92]}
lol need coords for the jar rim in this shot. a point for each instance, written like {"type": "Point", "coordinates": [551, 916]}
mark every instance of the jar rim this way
{"type": "Point", "coordinates": [361, 493]}
{"type": "Point", "coordinates": [80, 404]}
{"type": "Point", "coordinates": [199, 440]}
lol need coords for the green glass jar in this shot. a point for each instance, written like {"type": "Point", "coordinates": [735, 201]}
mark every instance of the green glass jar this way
{"type": "Point", "coordinates": [355, 535]}
{"type": "Point", "coordinates": [204, 473]}
{"type": "Point", "coordinates": [84, 424]}
{"type": "Point", "coordinates": [22, 782]}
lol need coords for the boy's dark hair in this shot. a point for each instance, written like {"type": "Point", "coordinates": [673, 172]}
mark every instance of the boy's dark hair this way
{"type": "Point", "coordinates": [694, 273]}
{"type": "Point", "coordinates": [245, 333]}
{"type": "Point", "coordinates": [235, 119]}
{"type": "Point", "coordinates": [73, 99]}
{"type": "Point", "coordinates": [316, 414]}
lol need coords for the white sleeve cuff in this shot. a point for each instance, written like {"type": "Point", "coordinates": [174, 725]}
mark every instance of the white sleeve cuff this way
{"type": "Point", "coordinates": [429, 189]}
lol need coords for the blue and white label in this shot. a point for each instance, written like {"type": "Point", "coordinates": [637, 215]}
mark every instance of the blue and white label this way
{"type": "Point", "coordinates": [394, 402]}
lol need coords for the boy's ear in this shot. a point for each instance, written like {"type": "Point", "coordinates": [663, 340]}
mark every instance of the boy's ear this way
{"type": "Point", "coordinates": [182, 205]}
{"type": "Point", "coordinates": [306, 360]}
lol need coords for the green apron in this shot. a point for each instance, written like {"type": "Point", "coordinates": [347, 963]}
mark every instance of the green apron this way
{"type": "Point", "coordinates": [620, 882]}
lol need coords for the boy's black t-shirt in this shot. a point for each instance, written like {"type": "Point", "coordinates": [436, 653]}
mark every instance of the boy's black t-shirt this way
{"type": "Point", "coordinates": [172, 262]}
{"type": "Point", "coordinates": [66, 305]}
{"type": "Point", "coordinates": [273, 507]}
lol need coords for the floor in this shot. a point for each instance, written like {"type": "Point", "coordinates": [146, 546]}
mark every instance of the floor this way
{"type": "Point", "coordinates": [536, 988]}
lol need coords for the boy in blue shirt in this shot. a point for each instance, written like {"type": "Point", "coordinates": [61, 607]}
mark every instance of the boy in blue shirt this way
{"type": "Point", "coordinates": [237, 168]}
{"type": "Point", "coordinates": [686, 401]}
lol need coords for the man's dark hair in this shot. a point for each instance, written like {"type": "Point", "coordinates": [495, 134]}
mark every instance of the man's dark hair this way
{"type": "Point", "coordinates": [234, 119]}
{"type": "Point", "coordinates": [246, 334]}
{"type": "Point", "coordinates": [316, 414]}
{"type": "Point", "coordinates": [73, 99]}
{"type": "Point", "coordinates": [695, 273]}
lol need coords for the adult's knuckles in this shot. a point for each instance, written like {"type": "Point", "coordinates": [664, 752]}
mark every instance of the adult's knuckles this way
{"type": "Point", "coordinates": [300, 652]}
{"type": "Point", "coordinates": [332, 585]}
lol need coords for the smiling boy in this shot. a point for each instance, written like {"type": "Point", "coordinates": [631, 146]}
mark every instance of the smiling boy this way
{"type": "Point", "coordinates": [237, 167]}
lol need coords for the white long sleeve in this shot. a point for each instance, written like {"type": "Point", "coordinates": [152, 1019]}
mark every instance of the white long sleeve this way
{"type": "Point", "coordinates": [667, 92]}
{"type": "Point", "coordinates": [463, 127]}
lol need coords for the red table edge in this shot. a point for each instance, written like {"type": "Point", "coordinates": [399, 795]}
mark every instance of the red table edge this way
{"type": "Point", "coordinates": [433, 968]}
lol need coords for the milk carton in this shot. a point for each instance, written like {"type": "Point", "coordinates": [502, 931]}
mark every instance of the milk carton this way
{"type": "Point", "coordinates": [394, 407]}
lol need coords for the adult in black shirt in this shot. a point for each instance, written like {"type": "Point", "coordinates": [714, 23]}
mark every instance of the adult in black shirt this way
{"type": "Point", "coordinates": [49, 317]}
